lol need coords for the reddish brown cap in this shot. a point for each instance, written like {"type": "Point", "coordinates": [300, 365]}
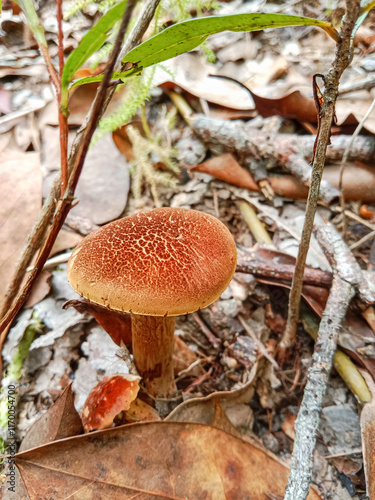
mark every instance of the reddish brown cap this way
{"type": "Point", "coordinates": [164, 262]}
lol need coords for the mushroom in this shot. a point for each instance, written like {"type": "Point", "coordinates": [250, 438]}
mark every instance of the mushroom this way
{"type": "Point", "coordinates": [155, 265]}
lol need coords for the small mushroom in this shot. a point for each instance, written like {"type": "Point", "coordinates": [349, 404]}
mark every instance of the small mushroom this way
{"type": "Point", "coordinates": [156, 265]}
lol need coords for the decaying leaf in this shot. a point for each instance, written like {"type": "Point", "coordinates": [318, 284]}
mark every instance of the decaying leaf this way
{"type": "Point", "coordinates": [115, 323]}
{"type": "Point", "coordinates": [59, 422]}
{"type": "Point", "coordinates": [172, 460]}
{"type": "Point", "coordinates": [20, 195]}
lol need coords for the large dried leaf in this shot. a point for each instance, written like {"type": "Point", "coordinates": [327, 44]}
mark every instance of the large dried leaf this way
{"type": "Point", "coordinates": [193, 74]}
{"type": "Point", "coordinates": [153, 460]}
{"type": "Point", "coordinates": [20, 195]}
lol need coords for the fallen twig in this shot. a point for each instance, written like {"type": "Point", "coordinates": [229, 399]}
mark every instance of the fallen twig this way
{"type": "Point", "coordinates": [222, 136]}
{"type": "Point", "coordinates": [326, 116]}
{"type": "Point", "coordinates": [347, 276]}
{"type": "Point", "coordinates": [250, 262]}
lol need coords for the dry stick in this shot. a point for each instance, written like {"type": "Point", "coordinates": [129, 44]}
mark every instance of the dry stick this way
{"type": "Point", "coordinates": [355, 86]}
{"type": "Point", "coordinates": [78, 157]}
{"type": "Point", "coordinates": [63, 117]}
{"type": "Point", "coordinates": [345, 159]}
{"type": "Point", "coordinates": [347, 276]}
{"type": "Point", "coordinates": [341, 61]}
{"type": "Point", "coordinates": [36, 236]}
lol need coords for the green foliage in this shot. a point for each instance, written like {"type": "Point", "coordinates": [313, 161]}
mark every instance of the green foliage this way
{"type": "Point", "coordinates": [188, 35]}
{"type": "Point", "coordinates": [90, 43]}
{"type": "Point", "coordinates": [143, 149]}
{"type": "Point", "coordinates": [137, 93]}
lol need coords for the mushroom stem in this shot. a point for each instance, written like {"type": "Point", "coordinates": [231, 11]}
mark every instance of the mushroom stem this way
{"type": "Point", "coordinates": [153, 343]}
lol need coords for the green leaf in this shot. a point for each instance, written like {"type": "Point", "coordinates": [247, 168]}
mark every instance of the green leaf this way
{"type": "Point", "coordinates": [187, 35]}
{"type": "Point", "coordinates": [90, 43]}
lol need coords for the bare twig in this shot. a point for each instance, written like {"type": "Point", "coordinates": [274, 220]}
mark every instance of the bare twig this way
{"type": "Point", "coordinates": [227, 136]}
{"type": "Point", "coordinates": [341, 61]}
{"type": "Point", "coordinates": [362, 241]}
{"type": "Point", "coordinates": [345, 159]}
{"type": "Point", "coordinates": [77, 159]}
{"type": "Point", "coordinates": [36, 236]}
{"type": "Point", "coordinates": [347, 276]}
{"type": "Point", "coordinates": [366, 84]}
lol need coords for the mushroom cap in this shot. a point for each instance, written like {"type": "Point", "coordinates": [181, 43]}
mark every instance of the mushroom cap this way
{"type": "Point", "coordinates": [163, 262]}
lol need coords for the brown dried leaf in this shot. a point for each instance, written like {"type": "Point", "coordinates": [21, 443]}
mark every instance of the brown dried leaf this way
{"type": "Point", "coordinates": [153, 460]}
{"type": "Point", "coordinates": [293, 105]}
{"type": "Point", "coordinates": [227, 169]}
{"type": "Point", "coordinates": [115, 323]}
{"type": "Point", "coordinates": [139, 411]}
{"type": "Point", "coordinates": [183, 357]}
{"type": "Point", "coordinates": [20, 195]}
{"type": "Point", "coordinates": [193, 74]}
{"type": "Point", "coordinates": [59, 422]}
{"type": "Point", "coordinates": [40, 290]}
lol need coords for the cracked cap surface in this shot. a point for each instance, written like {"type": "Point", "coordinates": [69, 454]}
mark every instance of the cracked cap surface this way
{"type": "Point", "coordinates": [166, 261]}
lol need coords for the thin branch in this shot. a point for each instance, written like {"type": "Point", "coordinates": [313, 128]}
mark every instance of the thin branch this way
{"type": "Point", "coordinates": [341, 61]}
{"type": "Point", "coordinates": [50, 67]}
{"type": "Point", "coordinates": [63, 119]}
{"type": "Point", "coordinates": [76, 160]}
{"type": "Point", "coordinates": [346, 278]}
{"type": "Point", "coordinates": [36, 236]}
{"type": "Point", "coordinates": [345, 159]}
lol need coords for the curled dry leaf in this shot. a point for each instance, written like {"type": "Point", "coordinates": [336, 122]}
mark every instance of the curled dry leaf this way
{"type": "Point", "coordinates": [174, 460]}
{"type": "Point", "coordinates": [115, 323]}
{"type": "Point", "coordinates": [110, 397]}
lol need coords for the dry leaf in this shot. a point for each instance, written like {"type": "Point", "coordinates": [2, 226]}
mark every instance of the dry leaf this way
{"type": "Point", "coordinates": [59, 422]}
{"type": "Point", "coordinates": [40, 289]}
{"type": "Point", "coordinates": [139, 411]}
{"type": "Point", "coordinates": [21, 199]}
{"type": "Point", "coordinates": [157, 459]}
{"type": "Point", "coordinates": [115, 323]}
{"type": "Point", "coordinates": [193, 74]}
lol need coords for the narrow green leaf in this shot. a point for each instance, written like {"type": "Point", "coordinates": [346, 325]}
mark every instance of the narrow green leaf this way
{"type": "Point", "coordinates": [90, 43]}
{"type": "Point", "coordinates": [187, 35]}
